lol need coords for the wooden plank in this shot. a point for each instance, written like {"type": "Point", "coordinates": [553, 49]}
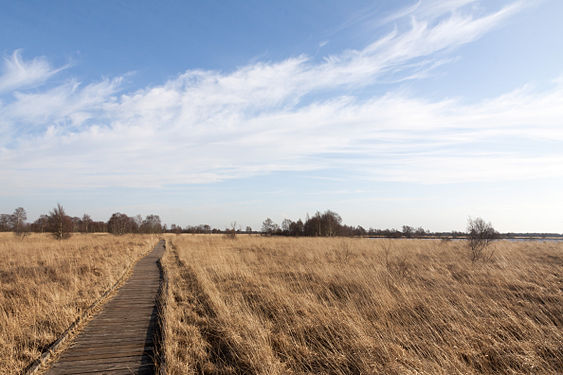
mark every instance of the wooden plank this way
{"type": "Point", "coordinates": [107, 353]}
{"type": "Point", "coordinates": [141, 370]}
{"type": "Point", "coordinates": [107, 368]}
{"type": "Point", "coordinates": [97, 362]}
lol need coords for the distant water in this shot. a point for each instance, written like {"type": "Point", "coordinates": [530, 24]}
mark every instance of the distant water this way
{"type": "Point", "coordinates": [537, 239]}
{"type": "Point", "coordinates": [534, 239]}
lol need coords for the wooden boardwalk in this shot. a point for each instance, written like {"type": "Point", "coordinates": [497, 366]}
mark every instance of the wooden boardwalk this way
{"type": "Point", "coordinates": [120, 340]}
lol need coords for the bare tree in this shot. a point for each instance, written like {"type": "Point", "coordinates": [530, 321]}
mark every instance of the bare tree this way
{"type": "Point", "coordinates": [41, 224]}
{"type": "Point", "coordinates": [59, 223]}
{"type": "Point", "coordinates": [480, 234]}
{"type": "Point", "coordinates": [286, 223]}
{"type": "Point", "coordinates": [420, 232]}
{"type": "Point", "coordinates": [268, 226]}
{"type": "Point", "coordinates": [18, 219]}
{"type": "Point", "coordinates": [86, 223]}
{"type": "Point", "coordinates": [408, 231]}
{"type": "Point", "coordinates": [231, 232]}
{"type": "Point", "coordinates": [5, 220]}
{"type": "Point", "coordinates": [151, 224]}
{"type": "Point", "coordinates": [330, 223]}
{"type": "Point", "coordinates": [76, 224]}
{"type": "Point", "coordinates": [138, 221]}
{"type": "Point", "coordinates": [296, 228]}
{"type": "Point", "coordinates": [120, 224]}
{"type": "Point", "coordinates": [176, 229]}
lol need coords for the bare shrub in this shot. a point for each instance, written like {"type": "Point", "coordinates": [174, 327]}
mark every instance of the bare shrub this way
{"type": "Point", "coordinates": [60, 225]}
{"type": "Point", "coordinates": [480, 234]}
{"type": "Point", "coordinates": [231, 232]}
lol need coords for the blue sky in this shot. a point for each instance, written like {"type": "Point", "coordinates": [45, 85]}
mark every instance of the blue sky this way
{"type": "Point", "coordinates": [389, 112]}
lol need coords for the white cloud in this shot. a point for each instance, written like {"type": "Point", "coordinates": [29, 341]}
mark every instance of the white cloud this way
{"type": "Point", "coordinates": [205, 126]}
{"type": "Point", "coordinates": [18, 73]}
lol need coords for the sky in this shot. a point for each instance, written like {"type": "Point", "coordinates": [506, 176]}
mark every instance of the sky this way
{"type": "Point", "coordinates": [391, 113]}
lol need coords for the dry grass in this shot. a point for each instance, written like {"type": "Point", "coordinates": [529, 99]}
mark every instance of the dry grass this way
{"type": "Point", "coordinates": [45, 284]}
{"type": "Point", "coordinates": [359, 306]}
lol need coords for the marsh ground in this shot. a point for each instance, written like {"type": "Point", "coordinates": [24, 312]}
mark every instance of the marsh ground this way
{"type": "Point", "coordinates": [258, 305]}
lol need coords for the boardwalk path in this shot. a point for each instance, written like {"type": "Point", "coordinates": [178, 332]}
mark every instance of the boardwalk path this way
{"type": "Point", "coordinates": [120, 339]}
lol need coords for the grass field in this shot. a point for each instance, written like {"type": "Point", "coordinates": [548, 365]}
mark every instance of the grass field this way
{"type": "Point", "coordinates": [259, 305]}
{"type": "Point", "coordinates": [45, 284]}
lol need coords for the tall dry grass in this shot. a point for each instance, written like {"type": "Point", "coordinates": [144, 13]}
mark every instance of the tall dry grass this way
{"type": "Point", "coordinates": [45, 284]}
{"type": "Point", "coordinates": [360, 306]}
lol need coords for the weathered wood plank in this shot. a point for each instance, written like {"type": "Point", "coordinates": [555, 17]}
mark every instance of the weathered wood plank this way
{"type": "Point", "coordinates": [141, 370]}
{"type": "Point", "coordinates": [107, 353]}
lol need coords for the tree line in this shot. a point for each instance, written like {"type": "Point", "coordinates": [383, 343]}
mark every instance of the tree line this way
{"type": "Point", "coordinates": [329, 224]}
{"type": "Point", "coordinates": [62, 225]}
{"type": "Point", "coordinates": [321, 224]}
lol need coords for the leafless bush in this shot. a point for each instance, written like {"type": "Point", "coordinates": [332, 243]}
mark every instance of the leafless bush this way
{"type": "Point", "coordinates": [480, 234]}
{"type": "Point", "coordinates": [59, 223]}
{"type": "Point", "coordinates": [231, 233]}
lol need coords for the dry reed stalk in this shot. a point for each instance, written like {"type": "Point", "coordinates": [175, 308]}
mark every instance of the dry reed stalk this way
{"type": "Point", "coordinates": [361, 306]}
{"type": "Point", "coordinates": [45, 284]}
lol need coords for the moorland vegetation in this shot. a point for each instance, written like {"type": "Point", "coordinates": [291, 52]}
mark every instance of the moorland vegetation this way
{"type": "Point", "coordinates": [279, 305]}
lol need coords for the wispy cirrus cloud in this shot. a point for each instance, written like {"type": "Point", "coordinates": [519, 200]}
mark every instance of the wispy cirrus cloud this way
{"type": "Point", "coordinates": [429, 10]}
{"type": "Point", "coordinates": [18, 73]}
{"type": "Point", "coordinates": [205, 126]}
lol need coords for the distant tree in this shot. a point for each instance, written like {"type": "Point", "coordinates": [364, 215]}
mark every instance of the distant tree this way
{"type": "Point", "coordinates": [360, 231]}
{"type": "Point", "coordinates": [407, 231]}
{"type": "Point", "coordinates": [231, 231]}
{"type": "Point", "coordinates": [151, 224]}
{"type": "Point", "coordinates": [480, 234]}
{"type": "Point", "coordinates": [18, 218]}
{"type": "Point", "coordinates": [312, 226]}
{"type": "Point", "coordinates": [296, 228]}
{"type": "Point", "coordinates": [286, 224]}
{"type": "Point", "coordinates": [76, 224]}
{"type": "Point", "coordinates": [5, 220]}
{"type": "Point", "coordinates": [98, 226]}
{"type": "Point", "coordinates": [41, 224]}
{"type": "Point", "coordinates": [138, 219]}
{"type": "Point", "coordinates": [60, 225]}
{"type": "Point", "coordinates": [17, 221]}
{"type": "Point", "coordinates": [331, 223]}
{"type": "Point", "coordinates": [420, 232]}
{"type": "Point", "coordinates": [268, 226]}
{"type": "Point", "coordinates": [119, 224]}
{"type": "Point", "coordinates": [248, 229]}
{"type": "Point", "coordinates": [86, 223]}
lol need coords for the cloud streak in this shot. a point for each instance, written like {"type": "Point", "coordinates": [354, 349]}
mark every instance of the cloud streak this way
{"type": "Point", "coordinates": [293, 115]}
{"type": "Point", "coordinates": [20, 74]}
